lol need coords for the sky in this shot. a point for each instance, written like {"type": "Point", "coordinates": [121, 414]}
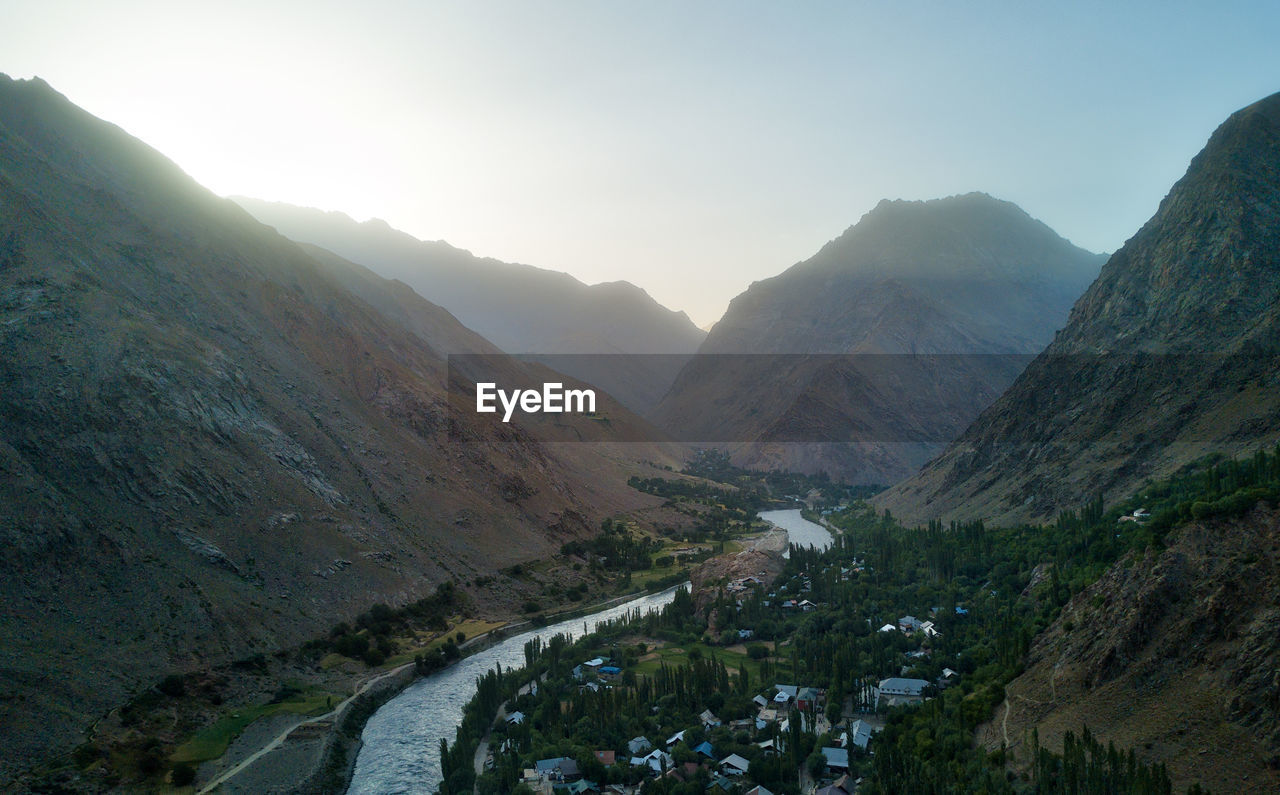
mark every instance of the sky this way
{"type": "Point", "coordinates": [688, 147]}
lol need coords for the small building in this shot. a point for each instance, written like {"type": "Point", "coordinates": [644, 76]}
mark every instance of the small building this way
{"type": "Point", "coordinates": [709, 720]}
{"type": "Point", "coordinates": [734, 765]}
{"type": "Point", "coordinates": [860, 734]}
{"type": "Point", "coordinates": [895, 691]}
{"type": "Point", "coordinates": [909, 624]}
{"type": "Point", "coordinates": [639, 745]}
{"type": "Point", "coordinates": [676, 738]}
{"type": "Point", "coordinates": [515, 718]}
{"type": "Point", "coordinates": [837, 758]}
{"type": "Point", "coordinates": [705, 748]}
{"type": "Point", "coordinates": [610, 670]}
{"type": "Point", "coordinates": [743, 634]}
{"type": "Point", "coordinates": [607, 758]}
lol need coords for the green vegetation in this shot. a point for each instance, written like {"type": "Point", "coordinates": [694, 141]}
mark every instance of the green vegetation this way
{"type": "Point", "coordinates": [212, 741]}
{"type": "Point", "coordinates": [988, 592]}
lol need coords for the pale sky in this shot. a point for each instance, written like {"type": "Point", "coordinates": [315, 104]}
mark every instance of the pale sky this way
{"type": "Point", "coordinates": [688, 147]}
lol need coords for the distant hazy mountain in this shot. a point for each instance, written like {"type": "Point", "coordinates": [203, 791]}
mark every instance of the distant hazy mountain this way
{"type": "Point", "coordinates": [962, 275]}
{"type": "Point", "coordinates": [214, 444]}
{"type": "Point", "coordinates": [1170, 354]}
{"type": "Point", "coordinates": [520, 308]}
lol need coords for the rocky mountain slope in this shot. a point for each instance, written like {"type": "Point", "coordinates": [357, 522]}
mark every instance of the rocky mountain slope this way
{"type": "Point", "coordinates": [1170, 354]}
{"type": "Point", "coordinates": [213, 444]}
{"type": "Point", "coordinates": [848, 361]}
{"type": "Point", "coordinates": [1174, 654]}
{"type": "Point", "coordinates": [522, 309]}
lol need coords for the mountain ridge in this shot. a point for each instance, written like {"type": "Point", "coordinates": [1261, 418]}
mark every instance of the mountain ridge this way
{"type": "Point", "coordinates": [967, 274]}
{"type": "Point", "coordinates": [1168, 356]}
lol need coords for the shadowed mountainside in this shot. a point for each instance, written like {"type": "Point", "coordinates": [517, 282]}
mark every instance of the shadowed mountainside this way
{"type": "Point", "coordinates": [1169, 355]}
{"type": "Point", "coordinates": [213, 444]}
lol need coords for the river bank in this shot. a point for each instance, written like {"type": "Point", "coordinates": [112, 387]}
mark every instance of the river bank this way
{"type": "Point", "coordinates": [288, 753]}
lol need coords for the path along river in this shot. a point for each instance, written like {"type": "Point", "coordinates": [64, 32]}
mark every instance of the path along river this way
{"type": "Point", "coordinates": [401, 742]}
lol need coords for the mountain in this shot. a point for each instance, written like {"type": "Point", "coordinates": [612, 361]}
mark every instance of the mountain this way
{"type": "Point", "coordinates": [1169, 355]}
{"type": "Point", "coordinates": [214, 444]}
{"type": "Point", "coordinates": [1172, 652]}
{"type": "Point", "coordinates": [865, 359]}
{"type": "Point", "coordinates": [522, 309]}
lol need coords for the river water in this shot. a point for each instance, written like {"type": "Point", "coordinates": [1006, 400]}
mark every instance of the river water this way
{"type": "Point", "coordinates": [401, 742]}
{"type": "Point", "coordinates": [800, 530]}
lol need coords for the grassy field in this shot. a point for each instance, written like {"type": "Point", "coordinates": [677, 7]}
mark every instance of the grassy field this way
{"type": "Point", "coordinates": [212, 741]}
{"type": "Point", "coordinates": [674, 655]}
{"type": "Point", "coordinates": [470, 627]}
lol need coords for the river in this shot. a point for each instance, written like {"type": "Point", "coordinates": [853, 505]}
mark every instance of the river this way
{"type": "Point", "coordinates": [800, 530]}
{"type": "Point", "coordinates": [401, 742]}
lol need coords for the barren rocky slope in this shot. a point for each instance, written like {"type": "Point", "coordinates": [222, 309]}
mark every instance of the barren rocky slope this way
{"type": "Point", "coordinates": [212, 444]}
{"type": "Point", "coordinates": [844, 347]}
{"type": "Point", "coordinates": [1170, 354]}
{"type": "Point", "coordinates": [1174, 654]}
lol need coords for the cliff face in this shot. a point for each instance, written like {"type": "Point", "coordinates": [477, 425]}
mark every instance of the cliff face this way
{"type": "Point", "coordinates": [1169, 355]}
{"type": "Point", "coordinates": [838, 346]}
{"type": "Point", "coordinates": [1174, 654]}
{"type": "Point", "coordinates": [212, 444]}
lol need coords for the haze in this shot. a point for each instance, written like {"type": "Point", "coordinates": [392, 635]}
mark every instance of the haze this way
{"type": "Point", "coordinates": [688, 148]}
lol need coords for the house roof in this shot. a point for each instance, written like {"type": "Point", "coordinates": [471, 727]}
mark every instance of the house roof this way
{"type": "Point", "coordinates": [706, 749]}
{"type": "Point", "coordinates": [897, 686]}
{"type": "Point", "coordinates": [607, 757]}
{"type": "Point", "coordinates": [860, 733]}
{"type": "Point", "coordinates": [836, 757]}
{"type": "Point", "coordinates": [735, 762]}
{"type": "Point", "coordinates": [677, 737]}
{"type": "Point", "coordinates": [638, 744]}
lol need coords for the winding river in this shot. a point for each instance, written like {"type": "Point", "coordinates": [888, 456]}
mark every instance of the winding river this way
{"type": "Point", "coordinates": [401, 742]}
{"type": "Point", "coordinates": [800, 530]}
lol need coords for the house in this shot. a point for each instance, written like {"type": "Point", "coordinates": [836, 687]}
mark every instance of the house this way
{"type": "Point", "coordinates": [607, 758]}
{"type": "Point", "coordinates": [578, 673]}
{"type": "Point", "coordinates": [743, 634]}
{"type": "Point", "coordinates": [656, 760]}
{"type": "Point", "coordinates": [610, 670]}
{"type": "Point", "coordinates": [807, 697]}
{"type": "Point", "coordinates": [888, 628]}
{"type": "Point", "coordinates": [860, 734]}
{"type": "Point", "coordinates": [760, 701]}
{"type": "Point", "coordinates": [960, 611]}
{"type": "Point", "coordinates": [947, 673]}
{"type": "Point", "coordinates": [895, 691]}
{"type": "Point", "coordinates": [676, 738]}
{"type": "Point", "coordinates": [706, 750]}
{"type": "Point", "coordinates": [805, 605]}
{"type": "Point", "coordinates": [638, 745]}
{"type": "Point", "coordinates": [734, 765]}
{"type": "Point", "coordinates": [561, 768]}
{"type": "Point", "coordinates": [841, 786]}
{"type": "Point", "coordinates": [708, 718]}
{"type": "Point", "coordinates": [788, 690]}
{"type": "Point", "coordinates": [758, 791]}
{"type": "Point", "coordinates": [581, 786]}
{"type": "Point", "coordinates": [594, 663]}
{"type": "Point", "coordinates": [909, 624]}
{"type": "Point", "coordinates": [929, 630]}
{"type": "Point", "coordinates": [772, 746]}
{"type": "Point", "coordinates": [515, 718]}
{"type": "Point", "coordinates": [837, 758]}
